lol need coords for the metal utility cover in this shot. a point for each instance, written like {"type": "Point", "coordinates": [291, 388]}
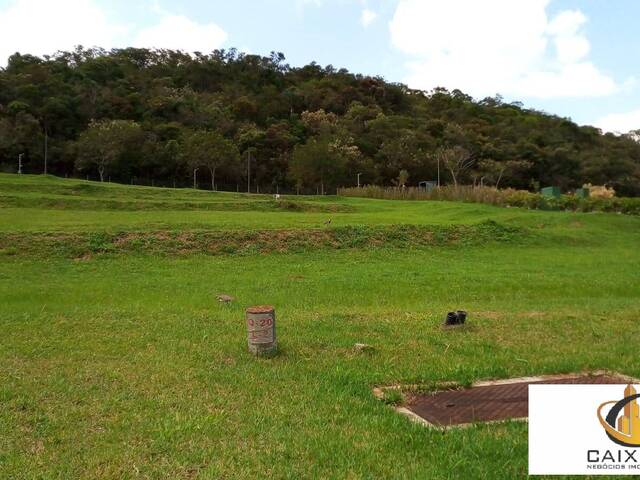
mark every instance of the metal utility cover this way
{"type": "Point", "coordinates": [489, 401]}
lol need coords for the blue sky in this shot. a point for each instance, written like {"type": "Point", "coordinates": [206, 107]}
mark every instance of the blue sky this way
{"type": "Point", "coordinates": [572, 58]}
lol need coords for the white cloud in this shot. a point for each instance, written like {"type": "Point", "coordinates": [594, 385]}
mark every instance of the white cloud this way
{"type": "Point", "coordinates": [620, 122]}
{"type": "Point", "coordinates": [368, 17]}
{"type": "Point", "coordinates": [581, 79]}
{"type": "Point", "coordinates": [300, 4]}
{"type": "Point", "coordinates": [42, 27]}
{"type": "Point", "coordinates": [179, 32]}
{"type": "Point", "coordinates": [497, 46]}
{"type": "Point", "coordinates": [571, 45]}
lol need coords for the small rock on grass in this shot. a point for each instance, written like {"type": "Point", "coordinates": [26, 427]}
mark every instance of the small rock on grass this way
{"type": "Point", "coordinates": [223, 298]}
{"type": "Point", "coordinates": [363, 347]}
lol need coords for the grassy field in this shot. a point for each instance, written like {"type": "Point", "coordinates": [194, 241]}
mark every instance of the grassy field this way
{"type": "Point", "coordinates": [117, 361]}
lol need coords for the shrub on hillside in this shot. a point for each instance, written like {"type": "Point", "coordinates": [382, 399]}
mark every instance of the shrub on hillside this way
{"type": "Point", "coordinates": [505, 198]}
{"type": "Point", "coordinates": [600, 191]}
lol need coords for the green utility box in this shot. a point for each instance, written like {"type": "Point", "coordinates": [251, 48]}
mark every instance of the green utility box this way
{"type": "Point", "coordinates": [551, 192]}
{"type": "Point", "coordinates": [582, 193]}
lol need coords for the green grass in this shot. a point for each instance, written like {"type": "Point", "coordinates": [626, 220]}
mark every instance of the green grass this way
{"type": "Point", "coordinates": [122, 364]}
{"type": "Point", "coordinates": [139, 209]}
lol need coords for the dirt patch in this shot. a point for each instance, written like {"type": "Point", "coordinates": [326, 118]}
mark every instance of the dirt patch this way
{"type": "Point", "coordinates": [152, 204]}
{"type": "Point", "coordinates": [84, 258]}
{"type": "Point", "coordinates": [493, 315]}
{"type": "Point", "coordinates": [239, 242]}
{"type": "Point", "coordinates": [490, 315]}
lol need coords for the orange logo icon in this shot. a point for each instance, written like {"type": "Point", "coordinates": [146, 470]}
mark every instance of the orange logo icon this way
{"type": "Point", "coordinates": [623, 429]}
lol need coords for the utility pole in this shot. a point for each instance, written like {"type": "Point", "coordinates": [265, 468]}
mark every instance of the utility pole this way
{"type": "Point", "coordinates": [195, 185]}
{"type": "Point", "coordinates": [359, 180]}
{"type": "Point", "coordinates": [248, 171]}
{"type": "Point", "coordinates": [46, 149]}
{"type": "Point", "coordinates": [20, 163]}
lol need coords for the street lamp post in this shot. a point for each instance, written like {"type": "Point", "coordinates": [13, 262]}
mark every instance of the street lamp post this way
{"type": "Point", "coordinates": [248, 171]}
{"type": "Point", "coordinates": [46, 150]}
{"type": "Point", "coordinates": [359, 179]}
{"type": "Point", "coordinates": [195, 185]}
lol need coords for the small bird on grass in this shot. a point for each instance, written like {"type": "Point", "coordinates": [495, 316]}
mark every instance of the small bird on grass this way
{"type": "Point", "coordinates": [328, 222]}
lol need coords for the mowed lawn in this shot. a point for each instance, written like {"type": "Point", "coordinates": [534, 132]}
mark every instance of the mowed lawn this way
{"type": "Point", "coordinates": [124, 365]}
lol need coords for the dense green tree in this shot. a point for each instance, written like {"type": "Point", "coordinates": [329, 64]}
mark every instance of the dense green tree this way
{"type": "Point", "coordinates": [312, 164]}
{"type": "Point", "coordinates": [210, 150]}
{"type": "Point", "coordinates": [403, 178]}
{"type": "Point", "coordinates": [280, 116]}
{"type": "Point", "coordinates": [457, 160]}
{"type": "Point", "coordinates": [104, 143]}
{"type": "Point", "coordinates": [491, 172]}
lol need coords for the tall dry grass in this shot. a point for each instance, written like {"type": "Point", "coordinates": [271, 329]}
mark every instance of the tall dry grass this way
{"type": "Point", "coordinates": [461, 193]}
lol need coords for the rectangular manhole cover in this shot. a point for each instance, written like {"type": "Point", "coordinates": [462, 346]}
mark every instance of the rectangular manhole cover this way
{"type": "Point", "coordinates": [490, 401]}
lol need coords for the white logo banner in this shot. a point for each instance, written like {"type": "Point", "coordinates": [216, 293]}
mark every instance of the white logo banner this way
{"type": "Point", "coordinates": [584, 429]}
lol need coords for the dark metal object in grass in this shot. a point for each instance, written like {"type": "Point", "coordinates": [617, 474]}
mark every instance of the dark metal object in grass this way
{"type": "Point", "coordinates": [261, 330]}
{"type": "Point", "coordinates": [490, 401]}
{"type": "Point", "coordinates": [456, 318]}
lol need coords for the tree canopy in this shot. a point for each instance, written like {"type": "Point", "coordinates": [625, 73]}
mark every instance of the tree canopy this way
{"type": "Point", "coordinates": [104, 143]}
{"type": "Point", "coordinates": [212, 151]}
{"type": "Point", "coordinates": [149, 114]}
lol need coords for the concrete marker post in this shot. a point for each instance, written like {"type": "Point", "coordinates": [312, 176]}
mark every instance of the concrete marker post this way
{"type": "Point", "coordinates": [261, 330]}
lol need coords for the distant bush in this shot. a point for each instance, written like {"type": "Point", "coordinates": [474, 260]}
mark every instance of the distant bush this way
{"type": "Point", "coordinates": [504, 198]}
{"type": "Point", "coordinates": [600, 191]}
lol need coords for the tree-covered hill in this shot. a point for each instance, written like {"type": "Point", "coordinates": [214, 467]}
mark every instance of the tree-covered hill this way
{"type": "Point", "coordinates": [156, 115]}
